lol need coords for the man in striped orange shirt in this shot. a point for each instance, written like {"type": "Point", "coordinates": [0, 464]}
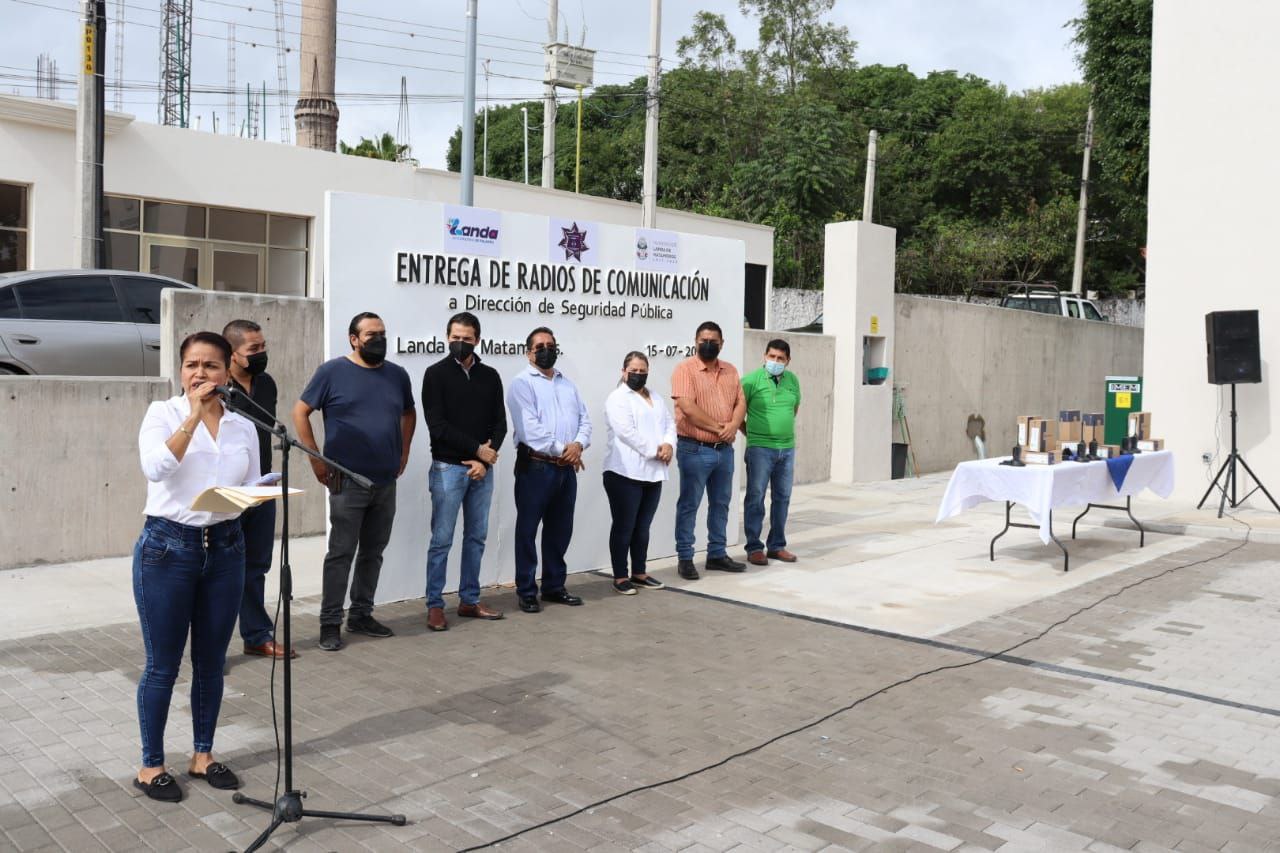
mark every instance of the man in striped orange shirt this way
{"type": "Point", "coordinates": [710, 407]}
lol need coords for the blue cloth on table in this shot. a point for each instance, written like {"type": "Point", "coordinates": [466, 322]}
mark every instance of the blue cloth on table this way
{"type": "Point", "coordinates": [1118, 468]}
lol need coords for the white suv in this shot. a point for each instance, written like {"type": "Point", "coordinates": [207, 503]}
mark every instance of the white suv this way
{"type": "Point", "coordinates": [1047, 299]}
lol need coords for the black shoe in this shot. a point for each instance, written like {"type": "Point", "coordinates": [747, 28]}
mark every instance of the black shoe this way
{"type": "Point", "coordinates": [562, 597]}
{"type": "Point", "coordinates": [529, 604]}
{"type": "Point", "coordinates": [725, 564]}
{"type": "Point", "coordinates": [624, 587]}
{"type": "Point", "coordinates": [687, 570]}
{"type": "Point", "coordinates": [331, 637]}
{"type": "Point", "coordinates": [163, 788]}
{"type": "Point", "coordinates": [647, 582]}
{"type": "Point", "coordinates": [219, 776]}
{"type": "Point", "coordinates": [368, 626]}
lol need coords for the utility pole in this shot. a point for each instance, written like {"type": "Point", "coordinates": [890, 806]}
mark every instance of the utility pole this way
{"type": "Point", "coordinates": [577, 166]}
{"type": "Point", "coordinates": [869, 188]}
{"type": "Point", "coordinates": [89, 135]}
{"type": "Point", "coordinates": [484, 167]}
{"type": "Point", "coordinates": [524, 113]}
{"type": "Point", "coordinates": [469, 109]}
{"type": "Point", "coordinates": [1077, 272]}
{"type": "Point", "coordinates": [549, 107]}
{"type": "Point", "coordinates": [649, 209]}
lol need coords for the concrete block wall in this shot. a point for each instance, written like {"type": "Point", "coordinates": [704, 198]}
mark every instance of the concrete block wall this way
{"type": "Point", "coordinates": [294, 329]}
{"type": "Point", "coordinates": [71, 484]}
{"type": "Point", "coordinates": [813, 360]}
{"type": "Point", "coordinates": [955, 359]}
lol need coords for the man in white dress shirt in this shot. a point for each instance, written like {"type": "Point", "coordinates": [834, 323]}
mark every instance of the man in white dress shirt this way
{"type": "Point", "coordinates": [552, 429]}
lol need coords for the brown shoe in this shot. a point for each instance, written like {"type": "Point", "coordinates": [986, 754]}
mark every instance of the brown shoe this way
{"type": "Point", "coordinates": [757, 558]}
{"type": "Point", "coordinates": [782, 554]}
{"type": "Point", "coordinates": [269, 649]}
{"type": "Point", "coordinates": [478, 611]}
{"type": "Point", "coordinates": [436, 620]}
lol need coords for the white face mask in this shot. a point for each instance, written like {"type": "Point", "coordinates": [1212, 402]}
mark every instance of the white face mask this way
{"type": "Point", "coordinates": [774, 368]}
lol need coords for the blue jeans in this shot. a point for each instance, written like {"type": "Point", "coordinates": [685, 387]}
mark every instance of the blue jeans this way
{"type": "Point", "coordinates": [259, 526]}
{"type": "Point", "coordinates": [183, 586]}
{"type": "Point", "coordinates": [710, 470]}
{"type": "Point", "coordinates": [632, 504]}
{"type": "Point", "coordinates": [451, 490]}
{"type": "Point", "coordinates": [768, 468]}
{"type": "Point", "coordinates": [545, 495]}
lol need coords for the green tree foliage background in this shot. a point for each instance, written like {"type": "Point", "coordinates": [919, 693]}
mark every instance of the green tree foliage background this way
{"type": "Point", "coordinates": [980, 183]}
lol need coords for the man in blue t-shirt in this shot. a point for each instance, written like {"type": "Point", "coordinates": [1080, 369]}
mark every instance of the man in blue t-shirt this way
{"type": "Point", "coordinates": [369, 418]}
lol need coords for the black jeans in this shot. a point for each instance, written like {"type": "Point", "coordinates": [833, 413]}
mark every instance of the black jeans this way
{"type": "Point", "coordinates": [359, 526]}
{"type": "Point", "coordinates": [259, 525]}
{"type": "Point", "coordinates": [545, 496]}
{"type": "Point", "coordinates": [632, 504]}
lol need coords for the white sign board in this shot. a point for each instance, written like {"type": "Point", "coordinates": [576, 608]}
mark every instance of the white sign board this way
{"type": "Point", "coordinates": [411, 263]}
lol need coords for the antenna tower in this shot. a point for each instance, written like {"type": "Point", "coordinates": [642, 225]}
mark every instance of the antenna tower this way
{"type": "Point", "coordinates": [119, 25]}
{"type": "Point", "coordinates": [282, 75]}
{"type": "Point", "coordinates": [403, 136]}
{"type": "Point", "coordinates": [231, 80]}
{"type": "Point", "coordinates": [175, 63]}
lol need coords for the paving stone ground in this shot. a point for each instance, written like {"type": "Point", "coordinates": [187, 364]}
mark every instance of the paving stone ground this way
{"type": "Point", "coordinates": [1145, 721]}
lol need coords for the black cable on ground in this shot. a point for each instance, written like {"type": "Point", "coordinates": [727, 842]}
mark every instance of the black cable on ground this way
{"type": "Point", "coordinates": [862, 699]}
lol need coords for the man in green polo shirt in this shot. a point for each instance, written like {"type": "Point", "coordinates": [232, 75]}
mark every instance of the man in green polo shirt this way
{"type": "Point", "coordinates": [773, 398]}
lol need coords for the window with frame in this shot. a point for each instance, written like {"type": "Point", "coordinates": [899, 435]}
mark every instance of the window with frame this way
{"type": "Point", "coordinates": [13, 227]}
{"type": "Point", "coordinates": [128, 221]}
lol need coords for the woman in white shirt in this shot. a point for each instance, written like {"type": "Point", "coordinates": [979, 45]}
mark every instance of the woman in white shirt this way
{"type": "Point", "coordinates": [642, 436]}
{"type": "Point", "coordinates": [188, 566]}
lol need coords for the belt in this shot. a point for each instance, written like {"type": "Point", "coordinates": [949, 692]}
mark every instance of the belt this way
{"type": "Point", "coordinates": [714, 445]}
{"type": "Point", "coordinates": [526, 450]}
{"type": "Point", "coordinates": [191, 536]}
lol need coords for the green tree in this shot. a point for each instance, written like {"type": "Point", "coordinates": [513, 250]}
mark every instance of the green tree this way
{"type": "Point", "coordinates": [382, 148]}
{"type": "Point", "coordinates": [1115, 41]}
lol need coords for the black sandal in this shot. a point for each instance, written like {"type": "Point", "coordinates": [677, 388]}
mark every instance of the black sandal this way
{"type": "Point", "coordinates": [163, 788]}
{"type": "Point", "coordinates": [219, 776]}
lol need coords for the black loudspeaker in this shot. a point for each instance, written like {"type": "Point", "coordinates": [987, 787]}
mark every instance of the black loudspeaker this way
{"type": "Point", "coordinates": [1232, 339]}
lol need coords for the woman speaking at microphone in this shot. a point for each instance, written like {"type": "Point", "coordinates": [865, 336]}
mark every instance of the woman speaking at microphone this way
{"type": "Point", "coordinates": [188, 566]}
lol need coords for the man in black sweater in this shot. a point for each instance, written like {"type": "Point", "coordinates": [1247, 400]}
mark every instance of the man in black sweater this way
{"type": "Point", "coordinates": [463, 404]}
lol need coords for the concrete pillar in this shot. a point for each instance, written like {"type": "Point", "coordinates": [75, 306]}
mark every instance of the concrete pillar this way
{"type": "Point", "coordinates": [316, 114]}
{"type": "Point", "coordinates": [858, 311]}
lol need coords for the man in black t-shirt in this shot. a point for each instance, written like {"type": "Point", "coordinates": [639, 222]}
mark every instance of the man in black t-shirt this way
{"type": "Point", "coordinates": [249, 374]}
{"type": "Point", "coordinates": [369, 419]}
{"type": "Point", "coordinates": [465, 413]}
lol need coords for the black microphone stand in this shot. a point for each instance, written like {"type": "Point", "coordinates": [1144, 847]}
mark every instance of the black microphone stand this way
{"type": "Point", "coordinates": [288, 808]}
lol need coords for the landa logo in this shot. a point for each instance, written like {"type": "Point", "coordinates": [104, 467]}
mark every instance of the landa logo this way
{"type": "Point", "coordinates": [642, 249]}
{"type": "Point", "coordinates": [457, 229]}
{"type": "Point", "coordinates": [574, 242]}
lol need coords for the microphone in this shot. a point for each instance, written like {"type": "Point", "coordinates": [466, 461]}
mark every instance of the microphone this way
{"type": "Point", "coordinates": [226, 391]}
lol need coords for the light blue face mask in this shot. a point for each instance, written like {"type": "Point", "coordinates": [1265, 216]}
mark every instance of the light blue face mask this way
{"type": "Point", "coordinates": [774, 368]}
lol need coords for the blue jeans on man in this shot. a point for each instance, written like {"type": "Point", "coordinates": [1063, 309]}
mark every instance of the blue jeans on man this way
{"type": "Point", "coordinates": [259, 525]}
{"type": "Point", "coordinates": [772, 469]}
{"type": "Point", "coordinates": [452, 490]}
{"type": "Point", "coordinates": [187, 581]}
{"type": "Point", "coordinates": [710, 470]}
{"type": "Point", "coordinates": [545, 495]}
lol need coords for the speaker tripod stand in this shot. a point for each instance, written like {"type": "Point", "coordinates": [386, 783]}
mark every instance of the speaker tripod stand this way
{"type": "Point", "coordinates": [1229, 471]}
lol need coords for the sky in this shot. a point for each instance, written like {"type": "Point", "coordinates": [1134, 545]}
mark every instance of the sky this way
{"type": "Point", "coordinates": [1023, 44]}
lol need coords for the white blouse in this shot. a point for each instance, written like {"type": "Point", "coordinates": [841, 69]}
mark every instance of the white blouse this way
{"type": "Point", "coordinates": [636, 431]}
{"type": "Point", "coordinates": [172, 485]}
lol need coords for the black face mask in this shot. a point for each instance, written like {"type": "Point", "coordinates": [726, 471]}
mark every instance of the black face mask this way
{"type": "Point", "coordinates": [461, 350]}
{"type": "Point", "coordinates": [708, 350]}
{"type": "Point", "coordinates": [635, 381]}
{"type": "Point", "coordinates": [545, 358]}
{"type": "Point", "coordinates": [257, 364]}
{"type": "Point", "coordinates": [374, 350]}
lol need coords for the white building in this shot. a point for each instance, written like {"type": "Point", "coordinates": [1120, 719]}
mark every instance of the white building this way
{"type": "Point", "coordinates": [1211, 225]}
{"type": "Point", "coordinates": [247, 215]}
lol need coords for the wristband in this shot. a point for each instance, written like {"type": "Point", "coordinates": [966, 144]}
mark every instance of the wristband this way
{"type": "Point", "coordinates": [183, 429]}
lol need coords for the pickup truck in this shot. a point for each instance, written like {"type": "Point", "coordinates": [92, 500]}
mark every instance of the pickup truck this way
{"type": "Point", "coordinates": [1047, 299]}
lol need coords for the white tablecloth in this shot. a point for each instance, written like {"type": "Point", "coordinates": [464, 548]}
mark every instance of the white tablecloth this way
{"type": "Point", "coordinates": [1042, 488]}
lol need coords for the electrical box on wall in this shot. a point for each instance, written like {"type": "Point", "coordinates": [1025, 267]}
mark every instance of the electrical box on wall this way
{"type": "Point", "coordinates": [875, 369]}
